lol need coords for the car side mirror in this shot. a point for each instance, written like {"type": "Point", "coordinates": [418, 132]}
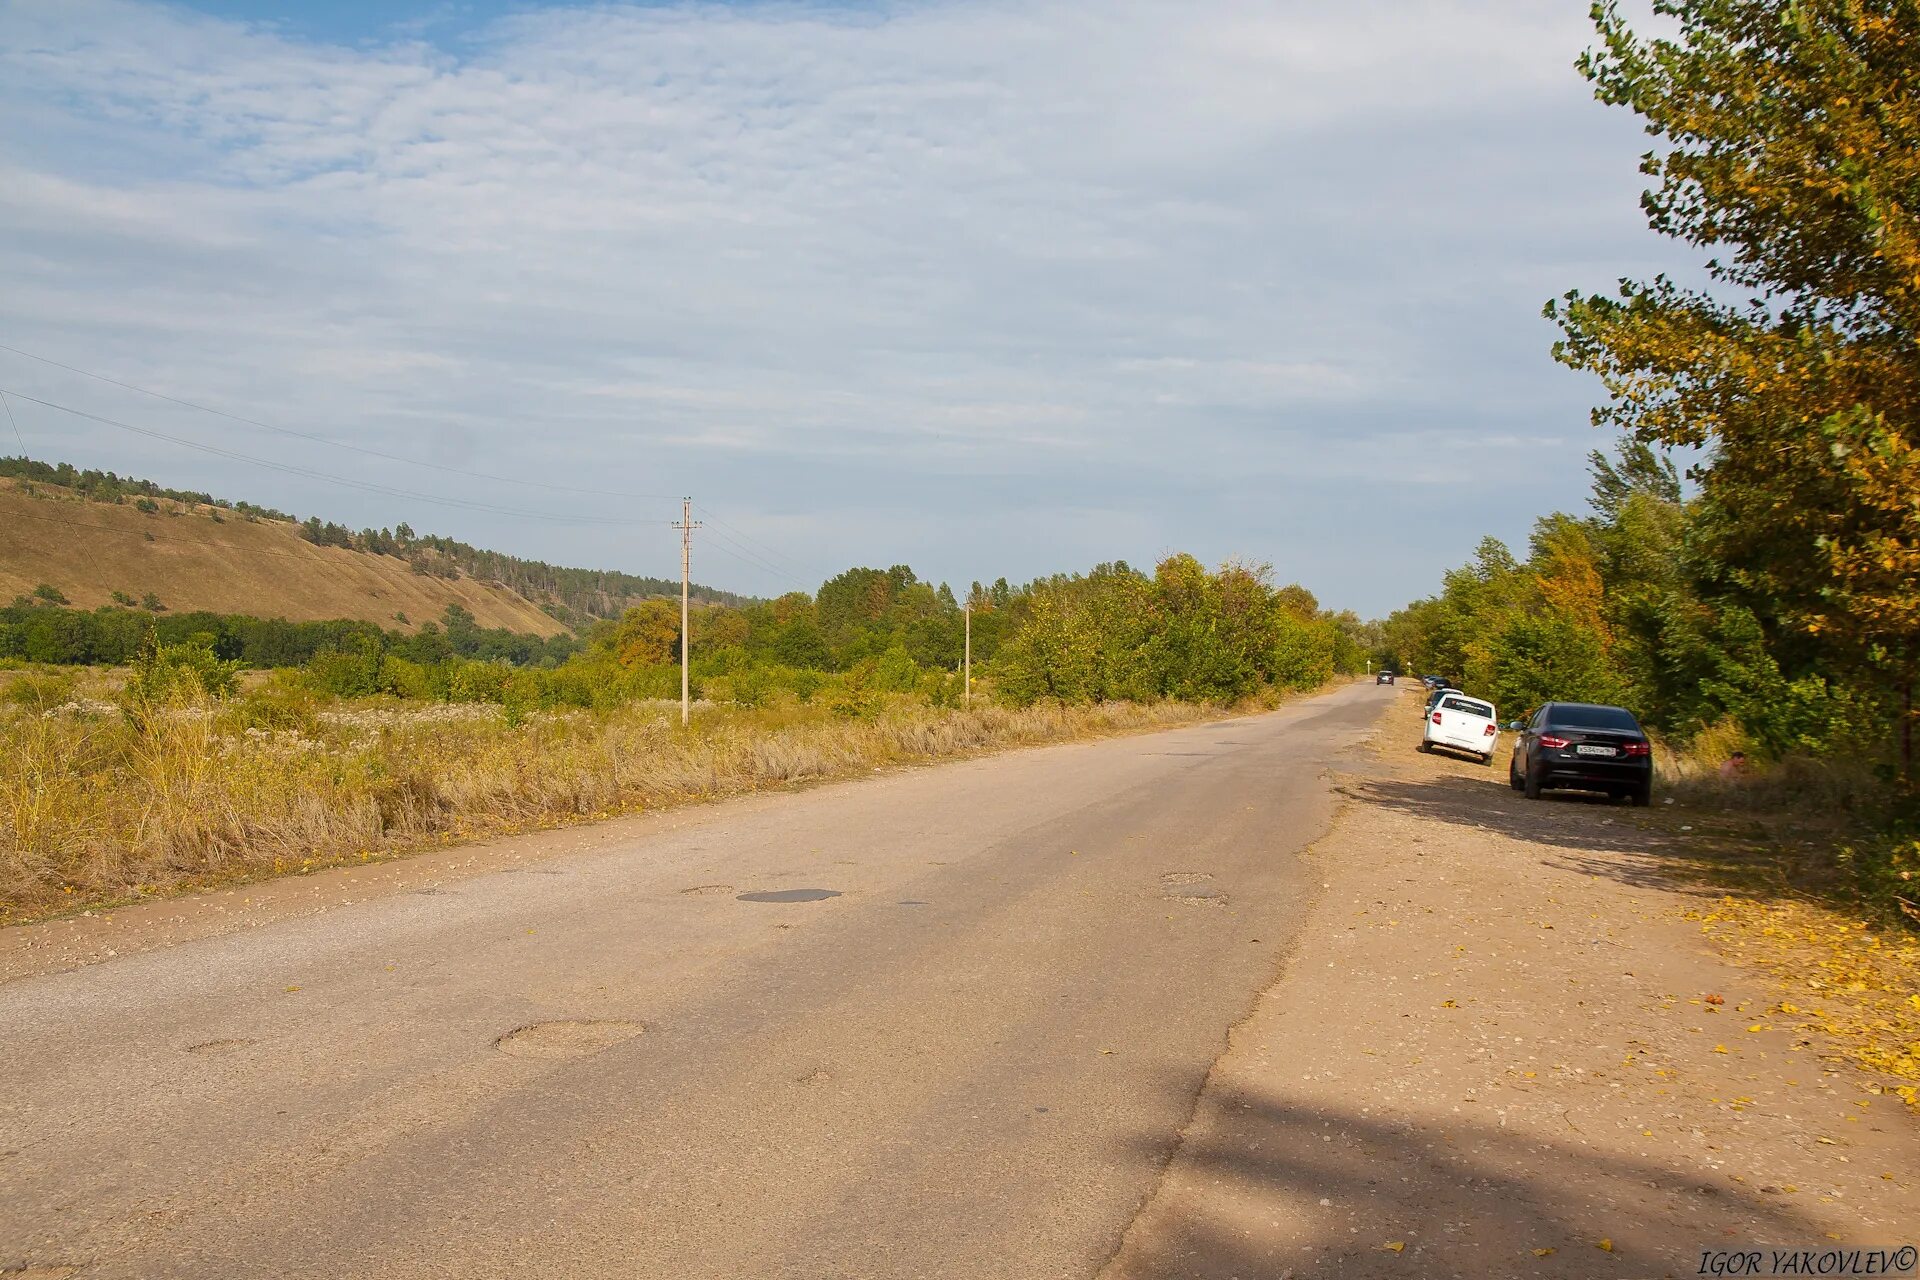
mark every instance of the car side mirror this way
{"type": "Point", "coordinates": [1515, 726]}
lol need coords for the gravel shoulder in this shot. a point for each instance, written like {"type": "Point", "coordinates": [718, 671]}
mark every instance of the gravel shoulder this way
{"type": "Point", "coordinates": [1502, 1047]}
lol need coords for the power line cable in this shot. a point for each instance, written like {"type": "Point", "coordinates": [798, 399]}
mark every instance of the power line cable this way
{"type": "Point", "coordinates": [308, 472]}
{"type": "Point", "coordinates": [726, 546]}
{"type": "Point", "coordinates": [16, 425]}
{"type": "Point", "coordinates": [328, 440]}
{"type": "Point", "coordinates": [747, 538]}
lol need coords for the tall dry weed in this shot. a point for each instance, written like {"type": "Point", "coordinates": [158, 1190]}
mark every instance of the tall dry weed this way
{"type": "Point", "coordinates": [103, 805]}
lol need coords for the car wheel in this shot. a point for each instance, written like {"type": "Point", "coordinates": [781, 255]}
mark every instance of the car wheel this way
{"type": "Point", "coordinates": [1513, 776]}
{"type": "Point", "coordinates": [1486, 758]}
{"type": "Point", "coordinates": [1426, 746]}
{"type": "Point", "coordinates": [1530, 784]}
{"type": "Point", "coordinates": [1641, 796]}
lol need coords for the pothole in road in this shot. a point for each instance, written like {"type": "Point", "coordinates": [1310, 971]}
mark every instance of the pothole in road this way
{"type": "Point", "coordinates": [789, 895]}
{"type": "Point", "coordinates": [568, 1038]}
{"type": "Point", "coordinates": [819, 1076]}
{"type": "Point", "coordinates": [1186, 877]}
{"type": "Point", "coordinates": [707, 890]}
{"type": "Point", "coordinates": [214, 1046]}
{"type": "Point", "coordinates": [1198, 895]}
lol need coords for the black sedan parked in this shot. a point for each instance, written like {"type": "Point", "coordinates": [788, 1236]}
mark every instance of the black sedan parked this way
{"type": "Point", "coordinates": [1583, 747]}
{"type": "Point", "coordinates": [1385, 677]}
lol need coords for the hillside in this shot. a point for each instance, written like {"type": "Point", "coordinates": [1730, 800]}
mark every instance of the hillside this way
{"type": "Point", "coordinates": [193, 556]}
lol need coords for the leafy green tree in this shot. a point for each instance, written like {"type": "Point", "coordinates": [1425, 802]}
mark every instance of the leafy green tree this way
{"type": "Point", "coordinates": [1547, 656]}
{"type": "Point", "coordinates": [799, 643]}
{"type": "Point", "coordinates": [1788, 147]}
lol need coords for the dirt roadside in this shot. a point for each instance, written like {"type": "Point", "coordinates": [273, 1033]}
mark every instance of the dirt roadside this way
{"type": "Point", "coordinates": [1500, 1049]}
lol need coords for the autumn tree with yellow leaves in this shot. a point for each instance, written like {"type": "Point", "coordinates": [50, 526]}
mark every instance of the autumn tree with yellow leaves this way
{"type": "Point", "coordinates": [1787, 148]}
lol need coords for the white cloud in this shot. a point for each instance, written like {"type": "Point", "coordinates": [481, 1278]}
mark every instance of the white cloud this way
{"type": "Point", "coordinates": [983, 257]}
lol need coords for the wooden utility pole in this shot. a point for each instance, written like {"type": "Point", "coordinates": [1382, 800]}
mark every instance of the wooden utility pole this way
{"type": "Point", "coordinates": [686, 527]}
{"type": "Point", "coordinates": [966, 684]}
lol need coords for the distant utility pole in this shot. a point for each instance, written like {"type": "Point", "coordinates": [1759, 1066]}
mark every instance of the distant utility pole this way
{"type": "Point", "coordinates": [686, 527]}
{"type": "Point", "coordinates": [966, 683]}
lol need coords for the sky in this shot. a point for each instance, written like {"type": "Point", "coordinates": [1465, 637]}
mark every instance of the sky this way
{"type": "Point", "coordinates": [987, 288]}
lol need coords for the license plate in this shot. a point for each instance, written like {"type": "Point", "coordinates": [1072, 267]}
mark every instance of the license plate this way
{"type": "Point", "coordinates": [1594, 751]}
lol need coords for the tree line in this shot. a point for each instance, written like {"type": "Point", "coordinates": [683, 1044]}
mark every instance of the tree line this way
{"type": "Point", "coordinates": [105, 486]}
{"type": "Point", "coordinates": [574, 596]}
{"type": "Point", "coordinates": [34, 630]}
{"type": "Point", "coordinates": [1183, 632]}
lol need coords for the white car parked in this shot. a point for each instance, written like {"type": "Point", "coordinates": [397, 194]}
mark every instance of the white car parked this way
{"type": "Point", "coordinates": [1463, 724]}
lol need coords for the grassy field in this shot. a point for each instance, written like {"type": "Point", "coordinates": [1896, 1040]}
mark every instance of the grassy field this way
{"type": "Point", "coordinates": [104, 801]}
{"type": "Point", "coordinates": [187, 558]}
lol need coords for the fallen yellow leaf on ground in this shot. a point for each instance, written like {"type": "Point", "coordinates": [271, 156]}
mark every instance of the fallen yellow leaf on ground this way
{"type": "Point", "coordinates": [1542, 1253]}
{"type": "Point", "coordinates": [1605, 1244]}
{"type": "Point", "coordinates": [1396, 1246]}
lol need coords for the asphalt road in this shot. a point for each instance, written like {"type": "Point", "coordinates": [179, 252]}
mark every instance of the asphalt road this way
{"type": "Point", "coordinates": [972, 1062]}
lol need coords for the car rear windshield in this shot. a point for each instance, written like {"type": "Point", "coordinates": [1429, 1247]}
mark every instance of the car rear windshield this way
{"type": "Point", "coordinates": [1469, 706]}
{"type": "Point", "coordinates": [1573, 717]}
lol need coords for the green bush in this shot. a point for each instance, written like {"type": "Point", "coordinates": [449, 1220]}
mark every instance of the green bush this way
{"type": "Point", "coordinates": [284, 702]}
{"type": "Point", "coordinates": [40, 693]}
{"type": "Point", "coordinates": [179, 672]}
{"type": "Point", "coordinates": [404, 679]}
{"type": "Point", "coordinates": [477, 681]}
{"type": "Point", "coordinates": [349, 673]}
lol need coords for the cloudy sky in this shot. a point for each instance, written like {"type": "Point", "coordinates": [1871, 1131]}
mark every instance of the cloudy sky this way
{"type": "Point", "coordinates": [989, 288]}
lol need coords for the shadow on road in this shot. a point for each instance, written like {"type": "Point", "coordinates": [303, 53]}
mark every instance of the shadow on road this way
{"type": "Point", "coordinates": [1465, 1197]}
{"type": "Point", "coordinates": [1591, 834]}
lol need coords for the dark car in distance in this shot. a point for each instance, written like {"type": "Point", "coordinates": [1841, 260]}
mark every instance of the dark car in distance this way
{"type": "Point", "coordinates": [1582, 746]}
{"type": "Point", "coordinates": [1385, 677]}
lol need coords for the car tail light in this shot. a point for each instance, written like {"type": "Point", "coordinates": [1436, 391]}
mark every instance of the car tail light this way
{"type": "Point", "coordinates": [1490, 731]}
{"type": "Point", "coordinates": [1436, 717]}
{"type": "Point", "coordinates": [1553, 741]}
{"type": "Point", "coordinates": [1637, 749]}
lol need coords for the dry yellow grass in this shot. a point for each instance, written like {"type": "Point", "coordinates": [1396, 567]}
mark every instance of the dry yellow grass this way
{"type": "Point", "coordinates": [91, 549]}
{"type": "Point", "coordinates": [100, 806]}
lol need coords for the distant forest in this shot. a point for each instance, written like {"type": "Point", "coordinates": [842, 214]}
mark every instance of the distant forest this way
{"type": "Point", "coordinates": [574, 596]}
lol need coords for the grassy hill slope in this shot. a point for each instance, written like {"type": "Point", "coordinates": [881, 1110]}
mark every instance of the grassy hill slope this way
{"type": "Point", "coordinates": [198, 557]}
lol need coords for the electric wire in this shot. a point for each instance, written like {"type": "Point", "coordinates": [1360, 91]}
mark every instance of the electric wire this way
{"type": "Point", "coordinates": [16, 425]}
{"type": "Point", "coordinates": [728, 547]}
{"type": "Point", "coordinates": [742, 552]}
{"type": "Point", "coordinates": [743, 536]}
{"type": "Point", "coordinates": [308, 472]}
{"type": "Point", "coordinates": [328, 440]}
{"type": "Point", "coordinates": [740, 546]}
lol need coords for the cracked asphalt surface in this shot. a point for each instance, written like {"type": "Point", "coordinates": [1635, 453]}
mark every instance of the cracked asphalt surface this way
{"type": "Point", "coordinates": [598, 1061]}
